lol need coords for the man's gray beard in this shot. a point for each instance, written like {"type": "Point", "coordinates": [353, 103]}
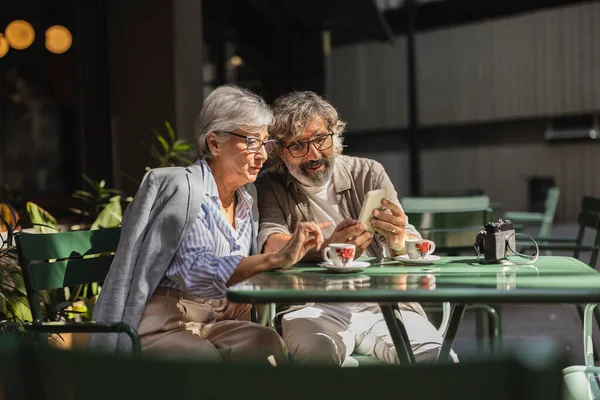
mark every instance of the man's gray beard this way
{"type": "Point", "coordinates": [318, 178]}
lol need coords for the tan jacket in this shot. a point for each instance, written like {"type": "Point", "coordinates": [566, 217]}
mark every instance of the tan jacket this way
{"type": "Point", "coordinates": [282, 205]}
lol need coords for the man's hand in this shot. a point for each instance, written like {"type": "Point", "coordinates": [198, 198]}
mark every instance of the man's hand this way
{"type": "Point", "coordinates": [392, 225]}
{"type": "Point", "coordinates": [352, 232]}
{"type": "Point", "coordinates": [231, 310]}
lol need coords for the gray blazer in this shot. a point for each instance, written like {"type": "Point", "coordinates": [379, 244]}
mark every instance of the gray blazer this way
{"type": "Point", "coordinates": [153, 226]}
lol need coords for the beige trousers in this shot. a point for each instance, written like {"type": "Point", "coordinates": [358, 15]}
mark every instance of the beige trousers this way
{"type": "Point", "coordinates": [329, 333]}
{"type": "Point", "coordinates": [175, 324]}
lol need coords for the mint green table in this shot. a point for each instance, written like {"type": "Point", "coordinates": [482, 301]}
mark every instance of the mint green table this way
{"type": "Point", "coordinates": [458, 280]}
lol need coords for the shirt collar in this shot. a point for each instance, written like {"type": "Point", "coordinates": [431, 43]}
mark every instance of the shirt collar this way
{"type": "Point", "coordinates": [210, 185]}
{"type": "Point", "coordinates": [245, 202]}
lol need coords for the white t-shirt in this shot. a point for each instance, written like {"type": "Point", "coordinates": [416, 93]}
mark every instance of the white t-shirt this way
{"type": "Point", "coordinates": [324, 205]}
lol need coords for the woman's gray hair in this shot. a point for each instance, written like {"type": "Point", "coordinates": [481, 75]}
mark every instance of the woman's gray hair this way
{"type": "Point", "coordinates": [295, 110]}
{"type": "Point", "coordinates": [227, 108]}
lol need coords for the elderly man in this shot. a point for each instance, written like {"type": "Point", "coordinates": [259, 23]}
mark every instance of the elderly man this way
{"type": "Point", "coordinates": [313, 181]}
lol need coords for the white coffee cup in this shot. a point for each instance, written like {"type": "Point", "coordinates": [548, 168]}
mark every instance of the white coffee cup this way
{"type": "Point", "coordinates": [339, 254]}
{"type": "Point", "coordinates": [418, 249]}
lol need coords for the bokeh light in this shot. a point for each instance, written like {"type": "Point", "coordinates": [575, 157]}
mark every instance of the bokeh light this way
{"type": "Point", "coordinates": [20, 34]}
{"type": "Point", "coordinates": [3, 46]}
{"type": "Point", "coordinates": [58, 39]}
{"type": "Point", "coordinates": [236, 61]}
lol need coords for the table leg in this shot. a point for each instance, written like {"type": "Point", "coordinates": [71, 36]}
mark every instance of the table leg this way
{"type": "Point", "coordinates": [456, 313]}
{"type": "Point", "coordinates": [394, 322]}
{"type": "Point", "coordinates": [482, 329]}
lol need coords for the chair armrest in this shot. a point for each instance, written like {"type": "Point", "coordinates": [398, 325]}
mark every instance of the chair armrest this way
{"type": "Point", "coordinates": [88, 327]}
{"type": "Point", "coordinates": [551, 239]}
{"type": "Point", "coordinates": [518, 216]}
{"type": "Point", "coordinates": [561, 247]}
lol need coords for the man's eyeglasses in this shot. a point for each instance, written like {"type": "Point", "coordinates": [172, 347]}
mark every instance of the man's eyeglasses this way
{"type": "Point", "coordinates": [253, 144]}
{"type": "Point", "coordinates": [300, 149]}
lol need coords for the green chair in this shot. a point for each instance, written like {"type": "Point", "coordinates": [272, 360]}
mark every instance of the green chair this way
{"type": "Point", "coordinates": [581, 381]}
{"type": "Point", "coordinates": [545, 219]}
{"type": "Point", "coordinates": [58, 260]}
{"type": "Point", "coordinates": [532, 372]}
{"type": "Point", "coordinates": [588, 219]}
{"type": "Point", "coordinates": [453, 224]}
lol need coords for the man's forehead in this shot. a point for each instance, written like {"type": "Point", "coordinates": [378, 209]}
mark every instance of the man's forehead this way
{"type": "Point", "coordinates": [315, 126]}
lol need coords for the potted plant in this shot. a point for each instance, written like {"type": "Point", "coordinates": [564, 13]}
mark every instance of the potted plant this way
{"type": "Point", "coordinates": [14, 308]}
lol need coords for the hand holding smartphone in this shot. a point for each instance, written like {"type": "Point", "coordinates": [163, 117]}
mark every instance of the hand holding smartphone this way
{"type": "Point", "coordinates": [372, 201]}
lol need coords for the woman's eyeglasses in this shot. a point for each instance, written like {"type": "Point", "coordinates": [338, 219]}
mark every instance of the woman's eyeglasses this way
{"type": "Point", "coordinates": [253, 144]}
{"type": "Point", "coordinates": [300, 149]}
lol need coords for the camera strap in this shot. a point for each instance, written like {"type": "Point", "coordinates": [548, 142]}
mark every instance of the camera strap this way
{"type": "Point", "coordinates": [532, 258]}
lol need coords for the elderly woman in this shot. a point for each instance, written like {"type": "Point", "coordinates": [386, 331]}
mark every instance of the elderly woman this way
{"type": "Point", "coordinates": [189, 234]}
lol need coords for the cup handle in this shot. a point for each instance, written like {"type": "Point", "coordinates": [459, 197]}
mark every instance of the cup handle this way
{"type": "Point", "coordinates": [325, 254]}
{"type": "Point", "coordinates": [431, 247]}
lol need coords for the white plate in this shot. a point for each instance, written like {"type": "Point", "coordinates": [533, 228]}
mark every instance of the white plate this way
{"type": "Point", "coordinates": [424, 261]}
{"type": "Point", "coordinates": [353, 266]}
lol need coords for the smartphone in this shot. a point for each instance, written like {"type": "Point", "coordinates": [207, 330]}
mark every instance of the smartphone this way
{"type": "Point", "coordinates": [372, 201]}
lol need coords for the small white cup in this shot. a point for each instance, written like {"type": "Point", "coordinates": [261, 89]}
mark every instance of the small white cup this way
{"type": "Point", "coordinates": [339, 254]}
{"type": "Point", "coordinates": [417, 249]}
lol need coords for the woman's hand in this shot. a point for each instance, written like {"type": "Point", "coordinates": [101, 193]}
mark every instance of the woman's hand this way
{"type": "Point", "coordinates": [308, 235]}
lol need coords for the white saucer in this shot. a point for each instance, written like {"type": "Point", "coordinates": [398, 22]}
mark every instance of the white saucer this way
{"type": "Point", "coordinates": [424, 261]}
{"type": "Point", "coordinates": [353, 266]}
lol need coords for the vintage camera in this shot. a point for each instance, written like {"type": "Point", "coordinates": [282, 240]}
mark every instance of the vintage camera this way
{"type": "Point", "coordinates": [496, 242]}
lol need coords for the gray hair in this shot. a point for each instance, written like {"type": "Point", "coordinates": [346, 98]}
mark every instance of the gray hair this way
{"type": "Point", "coordinates": [227, 108]}
{"type": "Point", "coordinates": [295, 110]}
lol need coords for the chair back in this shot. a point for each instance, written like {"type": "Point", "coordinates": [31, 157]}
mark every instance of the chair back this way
{"type": "Point", "coordinates": [531, 374]}
{"type": "Point", "coordinates": [589, 219]}
{"type": "Point", "coordinates": [451, 222]}
{"type": "Point", "coordinates": [57, 260]}
{"type": "Point", "coordinates": [444, 204]}
{"type": "Point", "coordinates": [550, 211]}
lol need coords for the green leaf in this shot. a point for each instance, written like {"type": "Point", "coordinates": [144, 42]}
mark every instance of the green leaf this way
{"type": "Point", "coordinates": [41, 219]}
{"type": "Point", "coordinates": [78, 211]}
{"type": "Point", "coordinates": [181, 147]}
{"type": "Point", "coordinates": [83, 193]}
{"type": "Point", "coordinates": [170, 131]}
{"type": "Point", "coordinates": [84, 199]}
{"type": "Point", "coordinates": [102, 184]}
{"type": "Point", "coordinates": [164, 143]}
{"type": "Point", "coordinates": [89, 181]}
{"type": "Point", "coordinates": [109, 217]}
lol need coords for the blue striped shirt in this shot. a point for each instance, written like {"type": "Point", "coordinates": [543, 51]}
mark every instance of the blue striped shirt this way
{"type": "Point", "coordinates": [212, 249]}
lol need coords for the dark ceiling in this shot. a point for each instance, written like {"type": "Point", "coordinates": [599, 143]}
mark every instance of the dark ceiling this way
{"type": "Point", "coordinates": [439, 14]}
{"type": "Point", "coordinates": [354, 20]}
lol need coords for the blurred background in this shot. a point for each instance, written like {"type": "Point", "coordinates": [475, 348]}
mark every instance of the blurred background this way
{"type": "Point", "coordinates": [452, 96]}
